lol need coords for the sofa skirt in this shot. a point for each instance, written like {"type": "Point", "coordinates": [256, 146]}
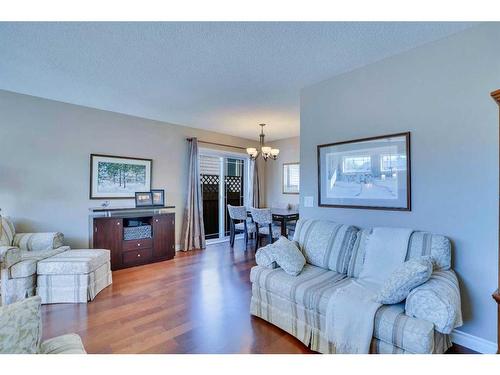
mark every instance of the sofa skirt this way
{"type": "Point", "coordinates": [308, 326]}
{"type": "Point", "coordinates": [79, 288]}
{"type": "Point", "coordinates": [20, 288]}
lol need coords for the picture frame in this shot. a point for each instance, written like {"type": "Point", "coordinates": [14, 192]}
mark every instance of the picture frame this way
{"type": "Point", "coordinates": [119, 177]}
{"type": "Point", "coordinates": [367, 173]}
{"type": "Point", "coordinates": [158, 197]}
{"type": "Point", "coordinates": [143, 199]}
{"type": "Point", "coordinates": [290, 178]}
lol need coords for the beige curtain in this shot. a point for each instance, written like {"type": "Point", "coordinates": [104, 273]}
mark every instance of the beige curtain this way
{"type": "Point", "coordinates": [255, 185]}
{"type": "Point", "coordinates": [193, 231]}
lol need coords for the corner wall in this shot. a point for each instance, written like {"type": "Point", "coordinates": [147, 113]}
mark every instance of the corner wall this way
{"type": "Point", "coordinates": [439, 92]}
{"type": "Point", "coordinates": [45, 148]}
{"type": "Point", "coordinates": [289, 153]}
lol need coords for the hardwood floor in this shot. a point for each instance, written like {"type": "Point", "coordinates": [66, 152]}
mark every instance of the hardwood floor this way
{"type": "Point", "coordinates": [196, 303]}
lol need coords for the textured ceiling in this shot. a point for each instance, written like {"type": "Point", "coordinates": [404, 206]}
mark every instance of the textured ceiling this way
{"type": "Point", "coordinates": [226, 77]}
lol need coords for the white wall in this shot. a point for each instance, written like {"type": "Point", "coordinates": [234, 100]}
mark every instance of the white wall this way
{"type": "Point", "coordinates": [44, 165]}
{"type": "Point", "coordinates": [439, 92]}
{"type": "Point", "coordinates": [289, 153]}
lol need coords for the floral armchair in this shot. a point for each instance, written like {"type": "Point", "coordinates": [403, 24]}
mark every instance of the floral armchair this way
{"type": "Point", "coordinates": [21, 331]}
{"type": "Point", "coordinates": [19, 255]}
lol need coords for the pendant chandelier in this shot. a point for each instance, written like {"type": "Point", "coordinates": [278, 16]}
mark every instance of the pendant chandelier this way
{"type": "Point", "coordinates": [266, 151]}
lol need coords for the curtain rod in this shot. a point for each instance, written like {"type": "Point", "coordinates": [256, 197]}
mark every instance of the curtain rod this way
{"type": "Point", "coordinates": [218, 144]}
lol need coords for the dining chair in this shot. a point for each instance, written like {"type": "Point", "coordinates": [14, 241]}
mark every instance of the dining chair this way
{"type": "Point", "coordinates": [239, 222]}
{"type": "Point", "coordinates": [290, 225]}
{"type": "Point", "coordinates": [264, 225]}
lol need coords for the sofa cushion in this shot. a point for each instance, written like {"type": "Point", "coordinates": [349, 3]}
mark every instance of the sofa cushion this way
{"type": "Point", "coordinates": [407, 276]}
{"type": "Point", "coordinates": [74, 262]}
{"type": "Point", "coordinates": [436, 246]}
{"type": "Point", "coordinates": [326, 244]}
{"type": "Point", "coordinates": [358, 253]}
{"type": "Point", "coordinates": [24, 268]}
{"type": "Point", "coordinates": [312, 285]}
{"type": "Point", "coordinates": [40, 255]}
{"type": "Point", "coordinates": [7, 232]}
{"type": "Point", "coordinates": [38, 241]}
{"type": "Point", "coordinates": [421, 244]}
{"type": "Point", "coordinates": [21, 327]}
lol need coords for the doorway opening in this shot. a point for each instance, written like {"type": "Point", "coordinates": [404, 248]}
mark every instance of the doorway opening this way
{"type": "Point", "coordinates": [224, 180]}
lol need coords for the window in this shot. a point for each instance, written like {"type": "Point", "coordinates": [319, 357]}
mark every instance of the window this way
{"type": "Point", "coordinates": [356, 164]}
{"type": "Point", "coordinates": [291, 178]}
{"type": "Point", "coordinates": [392, 163]}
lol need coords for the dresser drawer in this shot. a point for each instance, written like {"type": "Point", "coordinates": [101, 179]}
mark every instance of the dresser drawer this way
{"type": "Point", "coordinates": [136, 256]}
{"type": "Point", "coordinates": [138, 244]}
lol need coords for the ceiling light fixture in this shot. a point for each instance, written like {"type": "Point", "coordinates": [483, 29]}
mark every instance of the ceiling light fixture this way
{"type": "Point", "coordinates": [266, 151]}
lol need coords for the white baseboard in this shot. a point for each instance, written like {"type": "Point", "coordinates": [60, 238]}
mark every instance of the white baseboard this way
{"type": "Point", "coordinates": [475, 343]}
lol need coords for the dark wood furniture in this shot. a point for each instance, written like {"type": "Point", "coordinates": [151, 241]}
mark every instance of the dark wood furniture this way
{"type": "Point", "coordinates": [284, 216]}
{"type": "Point", "coordinates": [159, 245]}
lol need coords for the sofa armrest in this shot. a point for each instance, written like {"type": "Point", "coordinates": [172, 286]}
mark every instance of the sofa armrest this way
{"type": "Point", "coordinates": [437, 301]}
{"type": "Point", "coordinates": [38, 241]}
{"type": "Point", "coordinates": [9, 255]}
{"type": "Point", "coordinates": [66, 344]}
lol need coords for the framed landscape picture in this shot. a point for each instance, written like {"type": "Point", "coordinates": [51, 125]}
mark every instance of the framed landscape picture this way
{"type": "Point", "coordinates": [118, 177]}
{"type": "Point", "coordinates": [372, 173]}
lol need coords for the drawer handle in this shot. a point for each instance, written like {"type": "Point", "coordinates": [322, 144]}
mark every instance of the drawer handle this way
{"type": "Point", "coordinates": [117, 223]}
{"type": "Point", "coordinates": [138, 244]}
{"type": "Point", "coordinates": [138, 255]}
{"type": "Point", "coordinates": [156, 220]}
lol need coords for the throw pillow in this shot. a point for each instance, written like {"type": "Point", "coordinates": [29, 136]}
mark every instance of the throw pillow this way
{"type": "Point", "coordinates": [264, 257]}
{"type": "Point", "coordinates": [288, 256]}
{"type": "Point", "coordinates": [409, 275]}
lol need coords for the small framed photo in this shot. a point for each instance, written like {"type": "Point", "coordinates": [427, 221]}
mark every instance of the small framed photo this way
{"type": "Point", "coordinates": [143, 199]}
{"type": "Point", "coordinates": [158, 197]}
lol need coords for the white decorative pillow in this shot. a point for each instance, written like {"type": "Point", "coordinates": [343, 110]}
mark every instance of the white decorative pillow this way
{"type": "Point", "coordinates": [409, 275]}
{"type": "Point", "coordinates": [288, 256]}
{"type": "Point", "coordinates": [264, 257]}
{"type": "Point", "coordinates": [284, 253]}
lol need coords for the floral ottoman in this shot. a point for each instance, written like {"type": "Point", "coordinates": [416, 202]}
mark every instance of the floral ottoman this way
{"type": "Point", "coordinates": [75, 276]}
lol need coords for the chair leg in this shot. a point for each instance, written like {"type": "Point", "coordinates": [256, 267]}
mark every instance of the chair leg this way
{"type": "Point", "coordinates": [246, 234]}
{"type": "Point", "coordinates": [231, 234]}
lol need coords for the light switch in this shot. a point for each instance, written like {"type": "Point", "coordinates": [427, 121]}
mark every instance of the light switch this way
{"type": "Point", "coordinates": [308, 201]}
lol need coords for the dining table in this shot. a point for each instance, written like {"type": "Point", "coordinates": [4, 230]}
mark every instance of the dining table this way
{"type": "Point", "coordinates": [284, 216]}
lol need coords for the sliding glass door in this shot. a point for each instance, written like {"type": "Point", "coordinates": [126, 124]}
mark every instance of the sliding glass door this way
{"type": "Point", "coordinates": [223, 181]}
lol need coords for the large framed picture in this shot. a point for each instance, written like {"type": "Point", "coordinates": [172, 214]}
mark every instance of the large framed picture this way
{"type": "Point", "coordinates": [291, 178]}
{"type": "Point", "coordinates": [370, 173]}
{"type": "Point", "coordinates": [118, 177]}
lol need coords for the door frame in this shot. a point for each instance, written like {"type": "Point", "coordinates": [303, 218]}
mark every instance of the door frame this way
{"type": "Point", "coordinates": [222, 154]}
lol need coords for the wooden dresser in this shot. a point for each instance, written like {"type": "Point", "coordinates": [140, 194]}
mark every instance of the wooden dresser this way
{"type": "Point", "coordinates": [136, 239]}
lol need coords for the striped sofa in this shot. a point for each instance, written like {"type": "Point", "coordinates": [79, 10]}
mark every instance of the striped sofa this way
{"type": "Point", "coordinates": [19, 256]}
{"type": "Point", "coordinates": [334, 253]}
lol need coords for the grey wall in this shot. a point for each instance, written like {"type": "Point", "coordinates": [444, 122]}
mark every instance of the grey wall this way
{"type": "Point", "coordinates": [289, 153]}
{"type": "Point", "coordinates": [44, 164]}
{"type": "Point", "coordinates": [439, 92]}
